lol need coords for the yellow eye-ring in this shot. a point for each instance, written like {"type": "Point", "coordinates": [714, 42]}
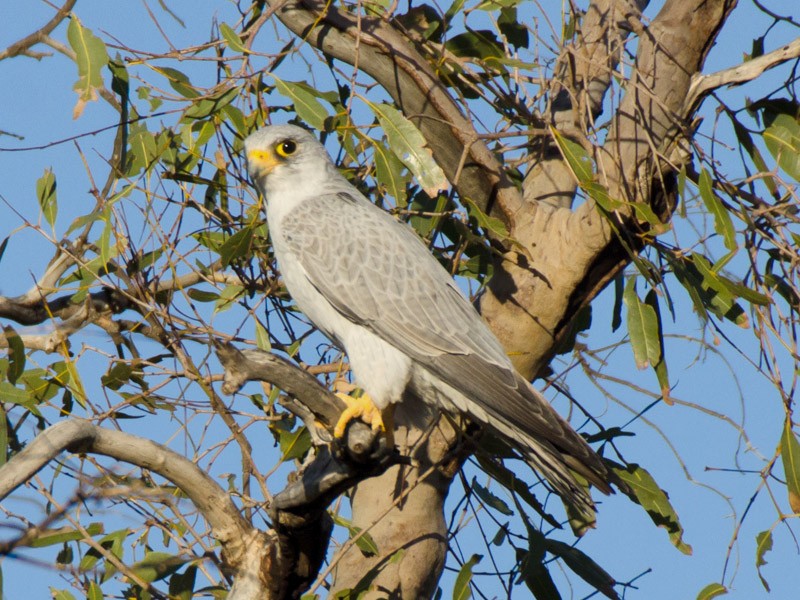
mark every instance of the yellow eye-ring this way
{"type": "Point", "coordinates": [286, 148]}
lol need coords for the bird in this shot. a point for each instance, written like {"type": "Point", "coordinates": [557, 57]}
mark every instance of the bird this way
{"type": "Point", "coordinates": [371, 285]}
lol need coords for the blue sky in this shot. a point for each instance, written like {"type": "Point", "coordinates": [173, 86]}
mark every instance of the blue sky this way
{"type": "Point", "coordinates": [37, 104]}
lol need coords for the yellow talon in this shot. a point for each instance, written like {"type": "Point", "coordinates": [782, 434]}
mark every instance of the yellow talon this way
{"type": "Point", "coordinates": [364, 408]}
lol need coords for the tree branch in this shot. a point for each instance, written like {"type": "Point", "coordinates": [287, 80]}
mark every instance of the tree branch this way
{"type": "Point", "coordinates": [25, 44]}
{"type": "Point", "coordinates": [702, 85]}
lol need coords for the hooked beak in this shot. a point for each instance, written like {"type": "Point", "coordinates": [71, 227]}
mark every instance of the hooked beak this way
{"type": "Point", "coordinates": [261, 163]}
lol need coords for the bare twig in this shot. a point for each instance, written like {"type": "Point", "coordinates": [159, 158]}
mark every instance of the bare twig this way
{"type": "Point", "coordinates": [23, 46]}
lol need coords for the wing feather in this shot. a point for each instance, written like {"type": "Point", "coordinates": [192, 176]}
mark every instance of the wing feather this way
{"type": "Point", "coordinates": [381, 276]}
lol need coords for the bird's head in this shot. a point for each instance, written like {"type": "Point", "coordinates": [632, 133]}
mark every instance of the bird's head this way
{"type": "Point", "coordinates": [286, 158]}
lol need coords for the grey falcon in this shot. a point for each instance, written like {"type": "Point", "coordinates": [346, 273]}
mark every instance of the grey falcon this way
{"type": "Point", "coordinates": [370, 284]}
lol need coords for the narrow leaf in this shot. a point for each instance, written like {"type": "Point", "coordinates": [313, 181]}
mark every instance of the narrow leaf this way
{"type": "Point", "coordinates": [157, 565]}
{"type": "Point", "coordinates": [64, 534]}
{"type": "Point", "coordinates": [489, 499]}
{"type": "Point", "coordinates": [763, 545]}
{"type": "Point", "coordinates": [782, 138]}
{"type": "Point", "coordinates": [389, 171]}
{"type": "Point", "coordinates": [46, 192]}
{"type": "Point", "coordinates": [712, 590]}
{"type": "Point", "coordinates": [235, 43]}
{"type": "Point", "coordinates": [655, 501]}
{"type": "Point", "coordinates": [642, 328]}
{"type": "Point", "coordinates": [95, 592]}
{"type": "Point", "coordinates": [294, 444]}
{"type": "Point", "coordinates": [461, 589]}
{"type": "Point", "coordinates": [660, 367]}
{"type": "Point", "coordinates": [181, 585]}
{"type": "Point", "coordinates": [91, 56]}
{"type": "Point", "coordinates": [790, 454]}
{"type": "Point", "coordinates": [723, 224]}
{"type": "Point", "coordinates": [236, 246]}
{"type": "Point", "coordinates": [16, 354]}
{"type": "Point", "coordinates": [410, 146]}
{"type": "Point", "coordinates": [307, 106]}
{"type": "Point", "coordinates": [583, 566]}
{"type": "Point", "coordinates": [576, 156]}
{"type": "Point", "coordinates": [365, 542]}
{"type": "Point", "coordinates": [262, 337]}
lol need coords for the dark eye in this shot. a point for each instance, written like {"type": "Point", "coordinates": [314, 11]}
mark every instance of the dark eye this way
{"type": "Point", "coordinates": [286, 148]}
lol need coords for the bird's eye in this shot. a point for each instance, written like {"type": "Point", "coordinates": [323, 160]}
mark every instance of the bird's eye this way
{"type": "Point", "coordinates": [286, 148]}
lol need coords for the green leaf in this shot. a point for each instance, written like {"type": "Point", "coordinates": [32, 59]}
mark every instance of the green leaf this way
{"type": "Point", "coordinates": [228, 296]}
{"type": "Point", "coordinates": [481, 44]}
{"type": "Point", "coordinates": [484, 221]}
{"type": "Point", "coordinates": [406, 141]}
{"type": "Point", "coordinates": [294, 444]}
{"type": "Point", "coordinates": [365, 542]}
{"type": "Point", "coordinates": [181, 585]}
{"type": "Point", "coordinates": [50, 537]}
{"type": "Point", "coordinates": [712, 590]}
{"type": "Point", "coordinates": [723, 224]}
{"type": "Point", "coordinates": [616, 313]}
{"type": "Point", "coordinates": [717, 295]}
{"type": "Point", "coordinates": [746, 141]}
{"type": "Point", "coordinates": [390, 173]}
{"type": "Point", "coordinates": [576, 156]}
{"type": "Point", "coordinates": [262, 337]}
{"type": "Point", "coordinates": [515, 32]}
{"type": "Point", "coordinates": [461, 589]}
{"type": "Point", "coordinates": [236, 246]}
{"type": "Point", "coordinates": [117, 376]}
{"type": "Point", "coordinates": [202, 295]}
{"type": "Point", "coordinates": [489, 499]}
{"type": "Point", "coordinates": [46, 192]}
{"type": "Point", "coordinates": [655, 501]}
{"type": "Point", "coordinates": [95, 592]}
{"type": "Point", "coordinates": [91, 56]}
{"type": "Point", "coordinates": [211, 105]}
{"type": "Point", "coordinates": [583, 566]}
{"type": "Point", "coordinates": [61, 594]}
{"type": "Point", "coordinates": [782, 138]}
{"type": "Point", "coordinates": [660, 367]}
{"type": "Point", "coordinates": [10, 393]}
{"type": "Point", "coordinates": [763, 545]}
{"type": "Point", "coordinates": [790, 455]}
{"type": "Point", "coordinates": [534, 571]}
{"type": "Point", "coordinates": [16, 354]}
{"type": "Point", "coordinates": [3, 441]}
{"type": "Point", "coordinates": [111, 542]}
{"type": "Point", "coordinates": [178, 81]}
{"type": "Point", "coordinates": [157, 565]}
{"type": "Point", "coordinates": [642, 328]}
{"type": "Point", "coordinates": [104, 242]}
{"type": "Point", "coordinates": [235, 43]}
{"type": "Point", "coordinates": [305, 102]}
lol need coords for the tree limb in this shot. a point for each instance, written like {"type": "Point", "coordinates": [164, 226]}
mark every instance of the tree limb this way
{"type": "Point", "coordinates": [702, 85]}
{"type": "Point", "coordinates": [25, 44]}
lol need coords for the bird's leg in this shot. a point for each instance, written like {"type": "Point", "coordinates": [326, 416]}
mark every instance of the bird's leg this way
{"type": "Point", "coordinates": [364, 408]}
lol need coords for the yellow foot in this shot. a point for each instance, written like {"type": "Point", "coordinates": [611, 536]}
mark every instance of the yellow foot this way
{"type": "Point", "coordinates": [363, 408]}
